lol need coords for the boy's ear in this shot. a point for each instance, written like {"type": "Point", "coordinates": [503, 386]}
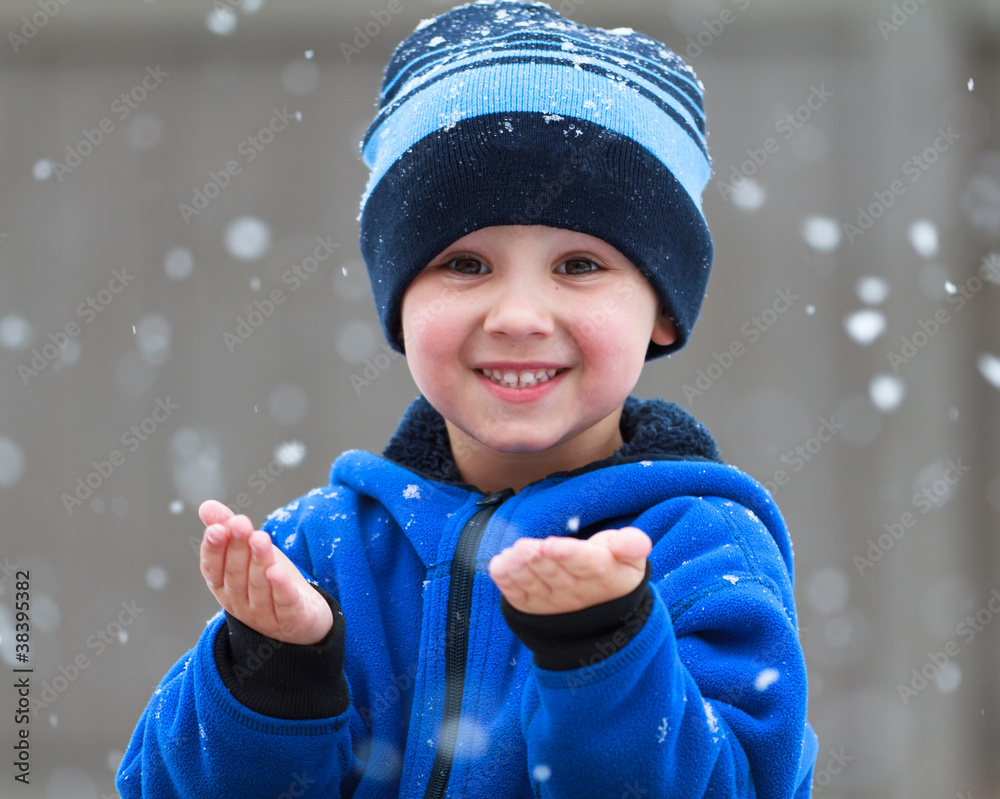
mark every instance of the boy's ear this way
{"type": "Point", "coordinates": [664, 332]}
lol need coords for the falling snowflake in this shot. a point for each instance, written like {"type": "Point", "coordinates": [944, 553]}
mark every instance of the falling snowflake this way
{"type": "Point", "coordinates": [865, 326]}
{"type": "Point", "coordinates": [541, 772]}
{"type": "Point", "coordinates": [766, 679]}
{"type": "Point", "coordinates": [989, 368]}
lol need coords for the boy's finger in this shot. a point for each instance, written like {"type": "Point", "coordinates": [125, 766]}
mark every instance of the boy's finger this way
{"type": "Point", "coordinates": [631, 544]}
{"type": "Point", "coordinates": [258, 586]}
{"type": "Point", "coordinates": [212, 511]}
{"type": "Point", "coordinates": [286, 598]}
{"type": "Point", "coordinates": [514, 557]}
{"type": "Point", "coordinates": [212, 554]}
{"type": "Point", "coordinates": [581, 559]}
{"type": "Point", "coordinates": [237, 560]}
{"type": "Point", "coordinates": [628, 543]}
{"type": "Point", "coordinates": [283, 591]}
{"type": "Point", "coordinates": [552, 573]}
{"type": "Point", "coordinates": [526, 580]}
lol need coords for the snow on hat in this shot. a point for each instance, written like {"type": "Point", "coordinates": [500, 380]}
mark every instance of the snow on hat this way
{"type": "Point", "coordinates": [503, 112]}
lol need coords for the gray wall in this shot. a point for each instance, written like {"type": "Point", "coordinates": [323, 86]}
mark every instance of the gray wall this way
{"type": "Point", "coordinates": [864, 627]}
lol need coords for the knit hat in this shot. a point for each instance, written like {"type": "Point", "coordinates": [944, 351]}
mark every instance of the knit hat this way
{"type": "Point", "coordinates": [503, 112]}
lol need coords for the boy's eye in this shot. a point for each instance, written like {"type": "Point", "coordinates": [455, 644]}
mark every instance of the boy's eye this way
{"type": "Point", "coordinates": [466, 266]}
{"type": "Point", "coordinates": [577, 266]}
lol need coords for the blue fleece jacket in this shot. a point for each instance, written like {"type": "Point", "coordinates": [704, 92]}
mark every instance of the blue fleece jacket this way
{"type": "Point", "coordinates": [700, 693]}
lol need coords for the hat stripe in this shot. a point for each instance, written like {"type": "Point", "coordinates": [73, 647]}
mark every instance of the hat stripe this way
{"type": "Point", "coordinates": [664, 94]}
{"type": "Point", "coordinates": [670, 138]}
{"type": "Point", "coordinates": [653, 71]}
{"type": "Point", "coordinates": [654, 84]}
{"type": "Point", "coordinates": [668, 103]}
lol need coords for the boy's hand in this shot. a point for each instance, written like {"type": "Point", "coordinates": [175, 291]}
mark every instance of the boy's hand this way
{"type": "Point", "coordinates": [256, 582]}
{"type": "Point", "coordinates": [559, 575]}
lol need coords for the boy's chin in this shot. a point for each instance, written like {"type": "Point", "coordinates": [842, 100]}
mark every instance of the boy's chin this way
{"type": "Point", "coordinates": [515, 445]}
{"type": "Point", "coordinates": [508, 442]}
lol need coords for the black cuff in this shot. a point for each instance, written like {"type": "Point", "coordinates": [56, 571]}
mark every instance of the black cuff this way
{"type": "Point", "coordinates": [282, 680]}
{"type": "Point", "coordinates": [564, 641]}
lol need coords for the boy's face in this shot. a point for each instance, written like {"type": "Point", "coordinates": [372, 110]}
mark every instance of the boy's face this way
{"type": "Point", "coordinates": [521, 301]}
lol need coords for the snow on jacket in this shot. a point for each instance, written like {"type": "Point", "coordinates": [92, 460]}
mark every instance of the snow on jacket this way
{"type": "Point", "coordinates": [699, 690]}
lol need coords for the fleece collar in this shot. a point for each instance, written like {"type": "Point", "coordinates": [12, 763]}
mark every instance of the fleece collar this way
{"type": "Point", "coordinates": [651, 429]}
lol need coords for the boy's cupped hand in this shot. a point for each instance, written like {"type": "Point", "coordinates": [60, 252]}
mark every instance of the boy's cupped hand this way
{"type": "Point", "coordinates": [559, 574]}
{"type": "Point", "coordinates": [256, 582]}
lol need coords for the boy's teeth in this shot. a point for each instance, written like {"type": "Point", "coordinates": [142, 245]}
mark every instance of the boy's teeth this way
{"type": "Point", "coordinates": [523, 380]}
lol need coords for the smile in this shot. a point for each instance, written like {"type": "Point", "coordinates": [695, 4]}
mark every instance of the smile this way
{"type": "Point", "coordinates": [525, 379]}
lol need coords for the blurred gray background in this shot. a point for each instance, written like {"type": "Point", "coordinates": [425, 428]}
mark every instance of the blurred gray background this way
{"type": "Point", "coordinates": [885, 330]}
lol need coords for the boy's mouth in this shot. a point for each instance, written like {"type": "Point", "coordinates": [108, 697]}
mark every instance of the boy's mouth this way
{"type": "Point", "coordinates": [523, 379]}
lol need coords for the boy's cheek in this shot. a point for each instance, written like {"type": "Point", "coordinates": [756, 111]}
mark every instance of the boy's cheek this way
{"type": "Point", "coordinates": [419, 314]}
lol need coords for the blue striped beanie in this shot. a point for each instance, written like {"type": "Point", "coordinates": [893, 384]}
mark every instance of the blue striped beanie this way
{"type": "Point", "coordinates": [503, 112]}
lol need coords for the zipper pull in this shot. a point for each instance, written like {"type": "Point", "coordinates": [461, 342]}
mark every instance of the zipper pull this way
{"type": "Point", "coordinates": [496, 497]}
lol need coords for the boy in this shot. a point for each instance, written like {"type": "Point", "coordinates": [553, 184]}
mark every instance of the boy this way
{"type": "Point", "coordinates": [544, 587]}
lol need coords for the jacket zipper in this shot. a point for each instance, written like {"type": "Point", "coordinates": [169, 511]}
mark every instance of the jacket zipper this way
{"type": "Point", "coordinates": [463, 572]}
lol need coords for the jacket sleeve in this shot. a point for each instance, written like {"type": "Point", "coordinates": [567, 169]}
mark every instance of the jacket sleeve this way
{"type": "Point", "coordinates": [706, 698]}
{"type": "Point", "coordinates": [195, 739]}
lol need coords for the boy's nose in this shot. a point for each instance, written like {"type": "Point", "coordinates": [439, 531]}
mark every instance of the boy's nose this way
{"type": "Point", "coordinates": [519, 312]}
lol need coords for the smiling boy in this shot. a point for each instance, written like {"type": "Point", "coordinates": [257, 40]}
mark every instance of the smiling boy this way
{"type": "Point", "coordinates": [544, 586]}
